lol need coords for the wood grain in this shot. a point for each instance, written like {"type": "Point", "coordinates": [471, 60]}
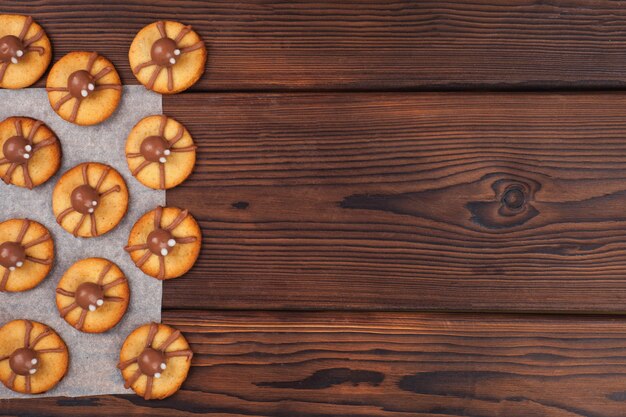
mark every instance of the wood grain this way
{"type": "Point", "coordinates": [363, 45]}
{"type": "Point", "coordinates": [384, 365]}
{"type": "Point", "coordinates": [511, 202]}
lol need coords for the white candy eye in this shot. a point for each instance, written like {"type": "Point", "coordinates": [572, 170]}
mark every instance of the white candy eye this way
{"type": "Point", "coordinates": [167, 152]}
{"type": "Point", "coordinates": [90, 210]}
{"type": "Point", "coordinates": [163, 366]}
{"type": "Point", "coordinates": [33, 361]}
{"type": "Point", "coordinates": [14, 60]}
{"type": "Point", "coordinates": [26, 155]}
{"type": "Point", "coordinates": [19, 53]}
{"type": "Point", "coordinates": [91, 87]}
{"type": "Point", "coordinates": [157, 375]}
{"type": "Point", "coordinates": [176, 51]}
{"type": "Point", "coordinates": [100, 302]}
{"type": "Point", "coordinates": [94, 203]}
{"type": "Point", "coordinates": [164, 252]}
{"type": "Point", "coordinates": [171, 243]}
{"type": "Point", "coordinates": [32, 371]}
{"type": "Point", "coordinates": [28, 148]}
{"type": "Point", "coordinates": [162, 160]}
{"type": "Point", "coordinates": [172, 61]}
{"type": "Point", "coordinates": [19, 264]}
{"type": "Point", "coordinates": [92, 307]}
{"type": "Point", "coordinates": [84, 93]}
{"type": "Point", "coordinates": [11, 268]}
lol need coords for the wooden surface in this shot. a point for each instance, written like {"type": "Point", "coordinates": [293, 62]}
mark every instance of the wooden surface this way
{"type": "Point", "coordinates": [383, 365]}
{"type": "Point", "coordinates": [389, 200]}
{"type": "Point", "coordinates": [373, 161]}
{"type": "Point", "coordinates": [367, 45]}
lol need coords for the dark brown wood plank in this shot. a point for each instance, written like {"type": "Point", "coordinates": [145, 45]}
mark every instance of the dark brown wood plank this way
{"type": "Point", "coordinates": [311, 45]}
{"type": "Point", "coordinates": [385, 365]}
{"type": "Point", "coordinates": [396, 201]}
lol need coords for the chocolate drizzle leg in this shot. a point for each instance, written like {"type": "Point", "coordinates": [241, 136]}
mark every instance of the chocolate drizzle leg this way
{"type": "Point", "coordinates": [157, 148]}
{"type": "Point", "coordinates": [152, 361]}
{"type": "Point", "coordinates": [161, 241]}
{"type": "Point", "coordinates": [165, 53]}
{"type": "Point", "coordinates": [85, 199]}
{"type": "Point", "coordinates": [13, 254]}
{"type": "Point", "coordinates": [81, 84]}
{"type": "Point", "coordinates": [89, 296]}
{"type": "Point", "coordinates": [13, 48]}
{"type": "Point", "coordinates": [25, 361]}
{"type": "Point", "coordinates": [19, 149]}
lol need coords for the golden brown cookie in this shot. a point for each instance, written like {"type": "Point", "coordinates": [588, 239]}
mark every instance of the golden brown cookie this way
{"type": "Point", "coordinates": [156, 161]}
{"type": "Point", "coordinates": [93, 295]}
{"type": "Point", "coordinates": [25, 51]}
{"type": "Point", "coordinates": [155, 360]}
{"type": "Point", "coordinates": [33, 358]}
{"type": "Point", "coordinates": [90, 199]}
{"type": "Point", "coordinates": [84, 88]}
{"type": "Point", "coordinates": [26, 254]}
{"type": "Point", "coordinates": [165, 242]}
{"type": "Point", "coordinates": [31, 146]}
{"type": "Point", "coordinates": [167, 57]}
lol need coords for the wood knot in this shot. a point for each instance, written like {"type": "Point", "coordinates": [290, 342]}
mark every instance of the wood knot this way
{"type": "Point", "coordinates": [513, 199]}
{"type": "Point", "coordinates": [512, 204]}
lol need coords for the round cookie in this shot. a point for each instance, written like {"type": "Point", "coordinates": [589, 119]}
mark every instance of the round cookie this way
{"type": "Point", "coordinates": [92, 295]}
{"type": "Point", "coordinates": [84, 88]}
{"type": "Point", "coordinates": [156, 161]}
{"type": "Point", "coordinates": [90, 199]}
{"type": "Point", "coordinates": [155, 360]}
{"type": "Point", "coordinates": [25, 51]}
{"type": "Point", "coordinates": [31, 146]}
{"type": "Point", "coordinates": [165, 242]}
{"type": "Point", "coordinates": [167, 57]}
{"type": "Point", "coordinates": [26, 254]}
{"type": "Point", "coordinates": [33, 358]}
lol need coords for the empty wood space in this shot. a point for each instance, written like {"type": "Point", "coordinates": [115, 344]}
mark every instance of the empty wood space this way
{"type": "Point", "coordinates": [438, 201]}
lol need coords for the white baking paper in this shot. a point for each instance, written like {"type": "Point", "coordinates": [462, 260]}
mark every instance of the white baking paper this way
{"type": "Point", "coordinates": [93, 357]}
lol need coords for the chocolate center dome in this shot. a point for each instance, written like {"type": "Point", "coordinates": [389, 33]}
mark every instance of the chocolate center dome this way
{"type": "Point", "coordinates": [12, 255]}
{"type": "Point", "coordinates": [85, 199]}
{"type": "Point", "coordinates": [24, 361]}
{"type": "Point", "coordinates": [164, 52]}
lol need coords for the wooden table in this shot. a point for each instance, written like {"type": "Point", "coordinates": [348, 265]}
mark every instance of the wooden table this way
{"type": "Point", "coordinates": [408, 208]}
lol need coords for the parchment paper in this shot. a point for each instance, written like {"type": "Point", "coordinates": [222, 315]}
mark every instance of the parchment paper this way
{"type": "Point", "coordinates": [93, 357]}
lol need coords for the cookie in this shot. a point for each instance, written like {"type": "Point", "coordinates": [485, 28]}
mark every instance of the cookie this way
{"type": "Point", "coordinates": [84, 88]}
{"type": "Point", "coordinates": [155, 360]}
{"type": "Point", "coordinates": [33, 358]}
{"type": "Point", "coordinates": [167, 57]}
{"type": "Point", "coordinates": [25, 51]}
{"type": "Point", "coordinates": [165, 242]}
{"type": "Point", "coordinates": [90, 199]}
{"type": "Point", "coordinates": [31, 146]}
{"type": "Point", "coordinates": [26, 254]}
{"type": "Point", "coordinates": [92, 295]}
{"type": "Point", "coordinates": [156, 161]}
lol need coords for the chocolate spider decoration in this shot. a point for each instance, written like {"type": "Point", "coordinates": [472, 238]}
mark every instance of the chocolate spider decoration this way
{"type": "Point", "coordinates": [85, 198]}
{"type": "Point", "coordinates": [158, 148]}
{"type": "Point", "coordinates": [161, 241]}
{"type": "Point", "coordinates": [89, 296]}
{"type": "Point", "coordinates": [13, 254]}
{"type": "Point", "coordinates": [13, 48]}
{"type": "Point", "coordinates": [164, 53]}
{"type": "Point", "coordinates": [19, 149]}
{"type": "Point", "coordinates": [81, 83]}
{"type": "Point", "coordinates": [153, 360]}
{"type": "Point", "coordinates": [25, 361]}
